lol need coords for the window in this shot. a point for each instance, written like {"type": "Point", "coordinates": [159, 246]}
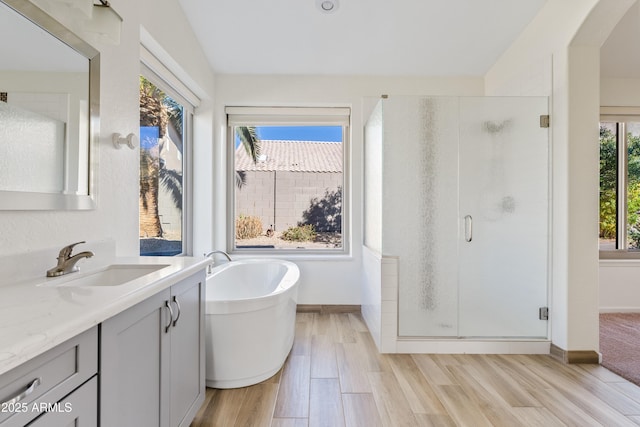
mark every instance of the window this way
{"type": "Point", "coordinates": [288, 180]}
{"type": "Point", "coordinates": [619, 184]}
{"type": "Point", "coordinates": [165, 124]}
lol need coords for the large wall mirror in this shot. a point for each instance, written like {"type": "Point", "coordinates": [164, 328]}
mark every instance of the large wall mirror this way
{"type": "Point", "coordinates": [49, 112]}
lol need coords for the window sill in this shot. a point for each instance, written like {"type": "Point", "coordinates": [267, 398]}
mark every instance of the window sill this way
{"type": "Point", "coordinates": [303, 255]}
{"type": "Point", "coordinates": [618, 255]}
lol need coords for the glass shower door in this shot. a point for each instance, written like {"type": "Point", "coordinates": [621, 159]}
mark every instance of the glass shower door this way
{"type": "Point", "coordinates": [503, 217]}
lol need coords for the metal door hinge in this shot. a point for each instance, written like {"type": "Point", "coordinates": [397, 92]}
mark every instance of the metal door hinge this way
{"type": "Point", "coordinates": [544, 121]}
{"type": "Point", "coordinates": [543, 313]}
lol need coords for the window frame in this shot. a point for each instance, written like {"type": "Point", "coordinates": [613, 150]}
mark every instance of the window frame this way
{"type": "Point", "coordinates": [162, 78]}
{"type": "Point", "coordinates": [289, 116]}
{"type": "Point", "coordinates": [620, 116]}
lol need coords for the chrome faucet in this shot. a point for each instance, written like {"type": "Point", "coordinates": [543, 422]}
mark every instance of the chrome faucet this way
{"type": "Point", "coordinates": [218, 252]}
{"type": "Point", "coordinates": [66, 262]}
{"type": "Point", "coordinates": [212, 258]}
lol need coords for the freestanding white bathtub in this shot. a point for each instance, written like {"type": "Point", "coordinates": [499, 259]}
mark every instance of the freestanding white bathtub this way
{"type": "Point", "coordinates": [250, 320]}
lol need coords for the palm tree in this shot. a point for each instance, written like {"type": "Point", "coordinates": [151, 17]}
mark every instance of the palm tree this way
{"type": "Point", "coordinates": [251, 143]}
{"type": "Point", "coordinates": [162, 112]}
{"type": "Point", "coordinates": [152, 113]}
{"type": "Point", "coordinates": [175, 113]}
{"type": "Point", "coordinates": [171, 180]}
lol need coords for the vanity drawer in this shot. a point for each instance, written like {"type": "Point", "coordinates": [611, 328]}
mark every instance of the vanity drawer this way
{"type": "Point", "coordinates": [26, 391]}
{"type": "Point", "coordinates": [79, 409]}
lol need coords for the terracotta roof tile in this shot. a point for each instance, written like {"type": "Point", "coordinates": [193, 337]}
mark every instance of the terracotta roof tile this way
{"type": "Point", "coordinates": [293, 156]}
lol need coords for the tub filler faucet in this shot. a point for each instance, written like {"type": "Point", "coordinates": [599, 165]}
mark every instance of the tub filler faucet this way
{"type": "Point", "coordinates": [66, 262]}
{"type": "Point", "coordinates": [211, 254]}
{"type": "Point", "coordinates": [218, 252]}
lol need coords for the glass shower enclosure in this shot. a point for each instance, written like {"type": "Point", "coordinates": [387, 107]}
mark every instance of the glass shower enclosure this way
{"type": "Point", "coordinates": [463, 189]}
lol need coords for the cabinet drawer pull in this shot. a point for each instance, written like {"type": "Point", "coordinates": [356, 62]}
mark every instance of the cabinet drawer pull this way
{"type": "Point", "coordinates": [175, 299]}
{"type": "Point", "coordinates": [30, 388]}
{"type": "Point", "coordinates": [168, 305]}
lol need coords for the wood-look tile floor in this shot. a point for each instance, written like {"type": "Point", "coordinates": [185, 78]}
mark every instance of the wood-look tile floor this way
{"type": "Point", "coordinates": [334, 376]}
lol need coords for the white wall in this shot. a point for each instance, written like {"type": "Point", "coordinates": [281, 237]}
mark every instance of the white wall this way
{"type": "Point", "coordinates": [567, 35]}
{"type": "Point", "coordinates": [620, 92]}
{"type": "Point", "coordinates": [619, 286]}
{"type": "Point", "coordinates": [116, 216]}
{"type": "Point", "coordinates": [372, 185]}
{"type": "Point", "coordinates": [323, 281]}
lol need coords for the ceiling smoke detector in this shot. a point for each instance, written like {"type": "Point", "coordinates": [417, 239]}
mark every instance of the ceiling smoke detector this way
{"type": "Point", "coordinates": [327, 6]}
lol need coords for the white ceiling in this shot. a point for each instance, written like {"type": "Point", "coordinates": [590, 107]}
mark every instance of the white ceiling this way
{"type": "Point", "coordinates": [620, 54]}
{"type": "Point", "coordinates": [363, 37]}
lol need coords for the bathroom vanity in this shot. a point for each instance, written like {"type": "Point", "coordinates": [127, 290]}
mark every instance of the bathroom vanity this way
{"type": "Point", "coordinates": [84, 350]}
{"type": "Point", "coordinates": [119, 343]}
{"type": "Point", "coordinates": [152, 365]}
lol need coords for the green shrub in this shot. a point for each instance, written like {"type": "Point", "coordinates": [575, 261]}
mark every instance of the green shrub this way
{"type": "Point", "coordinates": [608, 214]}
{"type": "Point", "coordinates": [301, 233]}
{"type": "Point", "coordinates": [248, 227]}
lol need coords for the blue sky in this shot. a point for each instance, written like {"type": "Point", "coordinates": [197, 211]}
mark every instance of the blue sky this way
{"type": "Point", "coordinates": [300, 133]}
{"type": "Point", "coordinates": [149, 135]}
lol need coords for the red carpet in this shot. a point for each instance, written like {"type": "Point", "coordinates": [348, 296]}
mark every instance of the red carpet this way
{"type": "Point", "coordinates": [620, 344]}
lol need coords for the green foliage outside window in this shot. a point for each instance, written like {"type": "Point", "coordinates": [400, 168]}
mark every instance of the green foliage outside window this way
{"type": "Point", "coordinates": [608, 184]}
{"type": "Point", "coordinates": [301, 233]}
{"type": "Point", "coordinates": [633, 201]}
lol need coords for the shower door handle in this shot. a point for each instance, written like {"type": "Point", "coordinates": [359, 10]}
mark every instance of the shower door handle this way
{"type": "Point", "coordinates": [468, 228]}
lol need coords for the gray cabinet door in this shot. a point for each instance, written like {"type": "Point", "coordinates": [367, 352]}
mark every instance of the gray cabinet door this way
{"type": "Point", "coordinates": [187, 350]}
{"type": "Point", "coordinates": [152, 359]}
{"type": "Point", "coordinates": [133, 366]}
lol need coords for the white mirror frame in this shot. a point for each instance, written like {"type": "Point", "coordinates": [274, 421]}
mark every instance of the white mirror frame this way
{"type": "Point", "coordinates": [17, 200]}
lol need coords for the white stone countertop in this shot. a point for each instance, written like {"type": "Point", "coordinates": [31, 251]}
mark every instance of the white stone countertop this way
{"type": "Point", "coordinates": [36, 315]}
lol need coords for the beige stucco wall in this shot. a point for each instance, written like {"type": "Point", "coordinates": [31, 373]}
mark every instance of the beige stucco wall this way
{"type": "Point", "coordinates": [280, 198]}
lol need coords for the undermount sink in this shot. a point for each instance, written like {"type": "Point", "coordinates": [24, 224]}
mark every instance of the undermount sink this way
{"type": "Point", "coordinates": [113, 275]}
